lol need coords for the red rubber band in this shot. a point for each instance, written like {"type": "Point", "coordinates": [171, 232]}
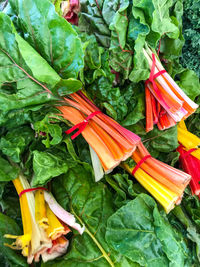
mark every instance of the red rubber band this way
{"type": "Point", "coordinates": [81, 126]}
{"type": "Point", "coordinates": [31, 189]}
{"type": "Point", "coordinates": [153, 76]}
{"type": "Point", "coordinates": [140, 163]}
{"type": "Point", "coordinates": [188, 152]}
{"type": "Point", "coordinates": [158, 74]}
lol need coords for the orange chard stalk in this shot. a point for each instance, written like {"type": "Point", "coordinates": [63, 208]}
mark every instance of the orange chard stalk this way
{"type": "Point", "coordinates": [120, 134]}
{"type": "Point", "coordinates": [114, 148]}
{"type": "Point", "coordinates": [186, 106]}
{"type": "Point", "coordinates": [149, 110]}
{"type": "Point", "coordinates": [158, 176]}
{"type": "Point", "coordinates": [178, 177]}
{"type": "Point", "coordinates": [93, 139]}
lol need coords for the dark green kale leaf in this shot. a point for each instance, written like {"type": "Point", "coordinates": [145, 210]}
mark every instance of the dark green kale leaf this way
{"type": "Point", "coordinates": [191, 24]}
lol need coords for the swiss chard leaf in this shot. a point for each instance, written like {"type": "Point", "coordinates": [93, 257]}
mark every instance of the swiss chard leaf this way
{"type": "Point", "coordinates": [7, 171]}
{"type": "Point", "coordinates": [47, 165]}
{"type": "Point", "coordinates": [92, 205]}
{"type": "Point", "coordinates": [137, 32]}
{"type": "Point", "coordinates": [52, 131]}
{"type": "Point", "coordinates": [162, 22]}
{"type": "Point", "coordinates": [191, 231]}
{"type": "Point", "coordinates": [14, 143]}
{"type": "Point", "coordinates": [93, 20]}
{"type": "Point", "coordinates": [51, 35]}
{"type": "Point", "coordinates": [165, 141]}
{"type": "Point", "coordinates": [189, 82]}
{"type": "Point", "coordinates": [21, 69]}
{"type": "Point", "coordinates": [172, 48]}
{"type": "Point", "coordinates": [139, 232]}
{"type": "Point", "coordinates": [121, 53]}
{"type": "Point", "coordinates": [9, 257]}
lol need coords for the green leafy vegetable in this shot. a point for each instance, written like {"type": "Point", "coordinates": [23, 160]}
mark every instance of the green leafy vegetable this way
{"type": "Point", "coordinates": [18, 68]}
{"type": "Point", "coordinates": [51, 35]}
{"type": "Point", "coordinates": [91, 203]}
{"type": "Point", "coordinates": [46, 165]}
{"type": "Point", "coordinates": [50, 129]}
{"type": "Point", "coordinates": [191, 49]}
{"type": "Point", "coordinates": [7, 172]}
{"type": "Point", "coordinates": [7, 255]}
{"type": "Point", "coordinates": [139, 232]}
{"type": "Point", "coordinates": [15, 142]}
{"type": "Point", "coordinates": [41, 53]}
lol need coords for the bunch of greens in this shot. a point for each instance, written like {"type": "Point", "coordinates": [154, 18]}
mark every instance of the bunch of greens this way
{"type": "Point", "coordinates": [43, 58]}
{"type": "Point", "coordinates": [114, 33]}
{"type": "Point", "coordinates": [191, 24]}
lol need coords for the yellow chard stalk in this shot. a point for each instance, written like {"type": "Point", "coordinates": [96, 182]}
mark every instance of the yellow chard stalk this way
{"type": "Point", "coordinates": [42, 220]}
{"type": "Point", "coordinates": [35, 238]}
{"type": "Point", "coordinates": [182, 125]}
{"type": "Point", "coordinates": [22, 242]}
{"type": "Point", "coordinates": [55, 229]}
{"type": "Point", "coordinates": [188, 140]}
{"type": "Point", "coordinates": [36, 234]}
{"type": "Point", "coordinates": [40, 209]}
{"type": "Point", "coordinates": [163, 195]}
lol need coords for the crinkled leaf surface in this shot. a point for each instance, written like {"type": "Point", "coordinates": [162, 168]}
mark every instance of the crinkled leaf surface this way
{"type": "Point", "coordinates": [191, 23]}
{"type": "Point", "coordinates": [189, 83]}
{"type": "Point", "coordinates": [49, 164]}
{"type": "Point", "coordinates": [7, 171]}
{"type": "Point", "coordinates": [92, 204]}
{"type": "Point", "coordinates": [20, 69]}
{"type": "Point", "coordinates": [172, 48]}
{"type": "Point", "coordinates": [51, 35]}
{"type": "Point", "coordinates": [9, 257]}
{"type": "Point", "coordinates": [52, 130]}
{"type": "Point", "coordinates": [15, 142]}
{"type": "Point", "coordinates": [139, 232]}
{"type": "Point", "coordinates": [93, 20]}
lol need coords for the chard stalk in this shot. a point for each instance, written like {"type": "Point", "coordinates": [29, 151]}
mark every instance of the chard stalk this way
{"type": "Point", "coordinates": [62, 214]}
{"type": "Point", "coordinates": [22, 242]}
{"type": "Point", "coordinates": [36, 235]}
{"type": "Point", "coordinates": [162, 194]}
{"type": "Point", "coordinates": [40, 209]}
{"type": "Point", "coordinates": [173, 83]}
{"type": "Point", "coordinates": [105, 255]}
{"type": "Point", "coordinates": [55, 228]}
{"type": "Point", "coordinates": [162, 81]}
{"type": "Point", "coordinates": [97, 167]}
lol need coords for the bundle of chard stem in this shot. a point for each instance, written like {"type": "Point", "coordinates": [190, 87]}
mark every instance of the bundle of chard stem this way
{"type": "Point", "coordinates": [45, 224]}
{"type": "Point", "coordinates": [190, 156]}
{"type": "Point", "coordinates": [165, 183]}
{"type": "Point", "coordinates": [113, 144]}
{"type": "Point", "coordinates": [166, 103]}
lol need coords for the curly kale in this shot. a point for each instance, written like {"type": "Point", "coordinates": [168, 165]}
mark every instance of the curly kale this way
{"type": "Point", "coordinates": [191, 32]}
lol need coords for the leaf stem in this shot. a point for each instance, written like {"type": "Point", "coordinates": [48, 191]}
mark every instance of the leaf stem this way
{"type": "Point", "coordinates": [33, 79]}
{"type": "Point", "coordinates": [105, 255]}
{"type": "Point", "coordinates": [154, 137]}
